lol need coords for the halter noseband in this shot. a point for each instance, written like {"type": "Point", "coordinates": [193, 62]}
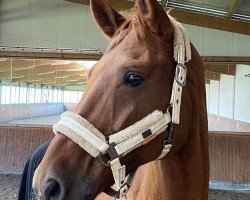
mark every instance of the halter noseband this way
{"type": "Point", "coordinates": [111, 149]}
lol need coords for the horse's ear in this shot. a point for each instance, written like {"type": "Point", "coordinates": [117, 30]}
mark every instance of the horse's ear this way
{"type": "Point", "coordinates": [106, 17]}
{"type": "Point", "coordinates": [155, 17]}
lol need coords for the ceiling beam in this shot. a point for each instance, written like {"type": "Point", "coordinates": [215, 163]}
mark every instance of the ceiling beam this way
{"type": "Point", "coordinates": [29, 75]}
{"type": "Point", "coordinates": [226, 59]}
{"type": "Point", "coordinates": [234, 5]}
{"type": "Point", "coordinates": [54, 75]}
{"type": "Point", "coordinates": [52, 80]}
{"type": "Point", "coordinates": [81, 56]}
{"type": "Point", "coordinates": [23, 64]}
{"type": "Point", "coordinates": [229, 69]}
{"type": "Point", "coordinates": [207, 81]}
{"type": "Point", "coordinates": [212, 76]}
{"type": "Point", "coordinates": [5, 74]}
{"type": "Point", "coordinates": [27, 70]}
{"type": "Point", "coordinates": [50, 55]}
{"type": "Point", "coordinates": [65, 67]}
{"type": "Point", "coordinates": [51, 62]}
{"type": "Point", "coordinates": [5, 64]}
{"type": "Point", "coordinates": [212, 22]}
{"type": "Point", "coordinates": [196, 19]}
{"type": "Point", "coordinates": [71, 73]}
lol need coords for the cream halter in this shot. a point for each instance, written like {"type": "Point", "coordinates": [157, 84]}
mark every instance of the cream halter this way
{"type": "Point", "coordinates": [120, 144]}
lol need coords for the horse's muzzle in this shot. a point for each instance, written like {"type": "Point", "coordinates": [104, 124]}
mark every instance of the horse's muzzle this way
{"type": "Point", "coordinates": [56, 189]}
{"type": "Point", "coordinates": [53, 190]}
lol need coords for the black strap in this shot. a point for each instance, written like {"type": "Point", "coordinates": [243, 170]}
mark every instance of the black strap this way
{"type": "Point", "coordinates": [111, 192]}
{"type": "Point", "coordinates": [116, 194]}
{"type": "Point", "coordinates": [169, 139]}
{"type": "Point", "coordinates": [131, 178]}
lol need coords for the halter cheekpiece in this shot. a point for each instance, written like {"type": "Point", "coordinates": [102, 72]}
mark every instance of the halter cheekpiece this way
{"type": "Point", "coordinates": [110, 150]}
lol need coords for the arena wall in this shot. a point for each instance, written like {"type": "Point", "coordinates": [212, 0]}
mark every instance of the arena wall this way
{"type": "Point", "coordinates": [229, 152]}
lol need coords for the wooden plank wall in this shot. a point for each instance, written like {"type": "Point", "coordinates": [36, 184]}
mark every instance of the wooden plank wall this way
{"type": "Point", "coordinates": [229, 156]}
{"type": "Point", "coordinates": [17, 143]}
{"type": "Point", "coordinates": [229, 153]}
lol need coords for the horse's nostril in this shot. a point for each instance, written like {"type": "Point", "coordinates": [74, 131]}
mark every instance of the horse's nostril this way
{"type": "Point", "coordinates": [53, 190]}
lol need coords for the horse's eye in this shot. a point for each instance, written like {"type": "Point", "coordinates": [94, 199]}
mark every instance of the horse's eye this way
{"type": "Point", "coordinates": [133, 79]}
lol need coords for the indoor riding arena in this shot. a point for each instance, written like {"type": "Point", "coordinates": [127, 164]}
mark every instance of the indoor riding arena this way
{"type": "Point", "coordinates": [47, 48]}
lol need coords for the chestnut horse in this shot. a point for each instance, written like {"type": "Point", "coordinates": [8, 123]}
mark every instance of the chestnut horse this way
{"type": "Point", "coordinates": [132, 79]}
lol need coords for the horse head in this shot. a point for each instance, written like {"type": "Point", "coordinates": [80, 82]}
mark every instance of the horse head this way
{"type": "Point", "coordinates": [133, 78]}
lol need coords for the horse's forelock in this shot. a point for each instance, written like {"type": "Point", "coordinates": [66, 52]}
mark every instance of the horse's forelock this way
{"type": "Point", "coordinates": [135, 23]}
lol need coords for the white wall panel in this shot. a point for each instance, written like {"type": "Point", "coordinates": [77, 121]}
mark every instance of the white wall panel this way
{"type": "Point", "coordinates": [15, 16]}
{"type": "Point", "coordinates": [211, 42]}
{"type": "Point", "coordinates": [62, 24]}
{"type": "Point", "coordinates": [7, 39]}
{"type": "Point", "coordinates": [230, 97]}
{"type": "Point", "coordinates": [214, 97]}
{"type": "Point", "coordinates": [242, 93]}
{"type": "Point", "coordinates": [241, 45]}
{"type": "Point", "coordinates": [207, 95]}
{"type": "Point", "coordinates": [71, 26]}
{"type": "Point", "coordinates": [226, 104]}
{"type": "Point", "coordinates": [49, 23]}
{"type": "Point", "coordinates": [93, 34]}
{"type": "Point", "coordinates": [43, 20]}
{"type": "Point", "coordinates": [215, 42]}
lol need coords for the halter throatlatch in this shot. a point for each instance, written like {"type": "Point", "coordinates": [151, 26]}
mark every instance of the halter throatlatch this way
{"type": "Point", "coordinates": [111, 149]}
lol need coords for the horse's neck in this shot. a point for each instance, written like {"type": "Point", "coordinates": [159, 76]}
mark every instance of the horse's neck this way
{"type": "Point", "coordinates": [178, 177]}
{"type": "Point", "coordinates": [174, 178]}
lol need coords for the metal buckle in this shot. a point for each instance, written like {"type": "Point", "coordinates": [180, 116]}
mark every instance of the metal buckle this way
{"type": "Point", "coordinates": [124, 188]}
{"type": "Point", "coordinates": [167, 142]}
{"type": "Point", "coordinates": [117, 194]}
{"type": "Point", "coordinates": [181, 74]}
{"type": "Point", "coordinates": [110, 155]}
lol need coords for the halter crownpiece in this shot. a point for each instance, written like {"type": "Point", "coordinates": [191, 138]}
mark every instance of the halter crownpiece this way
{"type": "Point", "coordinates": [117, 145]}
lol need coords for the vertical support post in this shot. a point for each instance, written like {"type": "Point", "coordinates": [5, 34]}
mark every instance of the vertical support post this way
{"type": "Point", "coordinates": [10, 94]}
{"type": "Point", "coordinates": [27, 94]}
{"type": "Point", "coordinates": [62, 95]}
{"type": "Point", "coordinates": [0, 93]}
{"type": "Point", "coordinates": [53, 93]}
{"type": "Point", "coordinates": [234, 96]}
{"type": "Point", "coordinates": [41, 94]}
{"type": "Point", "coordinates": [35, 91]}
